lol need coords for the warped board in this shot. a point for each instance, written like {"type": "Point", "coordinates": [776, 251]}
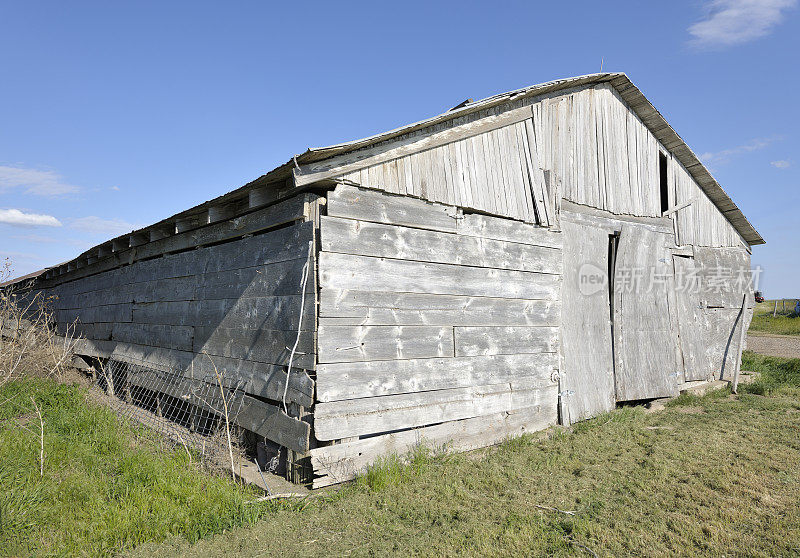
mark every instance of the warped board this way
{"type": "Point", "coordinates": [264, 380]}
{"type": "Point", "coordinates": [646, 363]}
{"type": "Point", "coordinates": [248, 412]}
{"type": "Point", "coordinates": [358, 417]}
{"type": "Point", "coordinates": [587, 373]}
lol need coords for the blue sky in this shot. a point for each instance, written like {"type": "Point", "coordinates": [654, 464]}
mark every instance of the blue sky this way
{"type": "Point", "coordinates": [114, 115]}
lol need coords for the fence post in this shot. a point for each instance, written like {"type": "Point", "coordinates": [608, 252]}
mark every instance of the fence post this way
{"type": "Point", "coordinates": [738, 364]}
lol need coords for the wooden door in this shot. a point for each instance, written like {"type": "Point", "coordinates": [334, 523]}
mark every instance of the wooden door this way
{"type": "Point", "coordinates": [587, 370]}
{"type": "Point", "coordinates": [691, 321]}
{"type": "Point", "coordinates": [646, 363]}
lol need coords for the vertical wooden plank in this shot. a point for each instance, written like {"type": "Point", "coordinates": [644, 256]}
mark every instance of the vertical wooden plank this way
{"type": "Point", "coordinates": [502, 153]}
{"type": "Point", "coordinates": [517, 133]}
{"type": "Point", "coordinates": [537, 183]}
{"type": "Point", "coordinates": [602, 155]}
{"type": "Point", "coordinates": [453, 174]}
{"type": "Point", "coordinates": [481, 183]}
{"type": "Point", "coordinates": [391, 177]}
{"type": "Point", "coordinates": [495, 189]}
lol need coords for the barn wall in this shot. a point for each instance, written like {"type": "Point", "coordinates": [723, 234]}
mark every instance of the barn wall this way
{"type": "Point", "coordinates": [726, 283]}
{"type": "Point", "coordinates": [434, 321]}
{"type": "Point", "coordinates": [705, 287]}
{"type": "Point", "coordinates": [233, 304]}
{"type": "Point", "coordinates": [701, 223]}
{"type": "Point", "coordinates": [599, 150]}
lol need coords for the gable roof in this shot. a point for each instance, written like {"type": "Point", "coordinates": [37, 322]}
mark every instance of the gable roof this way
{"type": "Point", "coordinates": [655, 122]}
{"type": "Point", "coordinates": [627, 90]}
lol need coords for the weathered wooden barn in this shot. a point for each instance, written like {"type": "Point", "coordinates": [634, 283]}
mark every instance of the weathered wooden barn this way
{"type": "Point", "coordinates": [534, 257]}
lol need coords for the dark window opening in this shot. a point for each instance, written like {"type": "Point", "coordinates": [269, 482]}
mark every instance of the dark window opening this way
{"type": "Point", "coordinates": [662, 174]}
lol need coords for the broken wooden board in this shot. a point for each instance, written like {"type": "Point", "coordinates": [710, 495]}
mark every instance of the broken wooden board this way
{"type": "Point", "coordinates": [342, 462]}
{"type": "Point", "coordinates": [358, 417]}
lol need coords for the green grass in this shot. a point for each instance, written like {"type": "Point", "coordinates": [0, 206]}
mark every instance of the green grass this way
{"type": "Point", "coordinates": [786, 322]}
{"type": "Point", "coordinates": [715, 475]}
{"type": "Point", "coordinates": [106, 487]}
{"type": "Point", "coordinates": [776, 374]}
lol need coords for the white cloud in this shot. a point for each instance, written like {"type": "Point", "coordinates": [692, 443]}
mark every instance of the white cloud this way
{"type": "Point", "coordinates": [733, 22]}
{"type": "Point", "coordinates": [782, 164]}
{"type": "Point", "coordinates": [97, 225]}
{"type": "Point", "coordinates": [722, 157]}
{"type": "Point", "coordinates": [41, 183]}
{"type": "Point", "coordinates": [19, 218]}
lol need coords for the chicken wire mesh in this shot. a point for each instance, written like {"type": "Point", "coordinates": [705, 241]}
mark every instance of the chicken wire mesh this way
{"type": "Point", "coordinates": [196, 411]}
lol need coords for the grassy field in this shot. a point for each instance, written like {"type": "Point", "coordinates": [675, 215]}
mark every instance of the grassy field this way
{"type": "Point", "coordinates": [786, 322]}
{"type": "Point", "coordinates": [718, 475]}
{"type": "Point", "coordinates": [105, 486]}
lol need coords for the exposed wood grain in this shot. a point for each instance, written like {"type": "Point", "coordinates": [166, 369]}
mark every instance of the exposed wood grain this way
{"type": "Point", "coordinates": [342, 343]}
{"type": "Point", "coordinates": [375, 206]}
{"type": "Point", "coordinates": [343, 271]}
{"type": "Point", "coordinates": [355, 380]}
{"type": "Point", "coordinates": [500, 340]}
{"type": "Point", "coordinates": [587, 374]}
{"type": "Point", "coordinates": [371, 239]}
{"type": "Point", "coordinates": [155, 335]}
{"type": "Point", "coordinates": [356, 417]}
{"type": "Point", "coordinates": [342, 462]}
{"type": "Point", "coordinates": [388, 308]}
{"type": "Point", "coordinates": [260, 345]}
{"type": "Point", "coordinates": [642, 318]}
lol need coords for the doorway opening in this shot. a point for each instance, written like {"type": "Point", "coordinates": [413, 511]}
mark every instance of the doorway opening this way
{"type": "Point", "coordinates": [663, 182]}
{"type": "Point", "coordinates": [613, 245]}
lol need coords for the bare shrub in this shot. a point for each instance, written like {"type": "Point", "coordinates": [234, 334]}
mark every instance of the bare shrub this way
{"type": "Point", "coordinates": [29, 345]}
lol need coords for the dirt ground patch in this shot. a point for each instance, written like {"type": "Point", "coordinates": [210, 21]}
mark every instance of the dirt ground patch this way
{"type": "Point", "coordinates": [786, 346]}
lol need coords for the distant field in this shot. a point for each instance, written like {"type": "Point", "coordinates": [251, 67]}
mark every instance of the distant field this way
{"type": "Point", "coordinates": [786, 322]}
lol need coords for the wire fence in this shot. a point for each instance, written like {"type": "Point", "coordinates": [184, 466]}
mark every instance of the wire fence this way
{"type": "Point", "coordinates": [198, 412]}
{"type": "Point", "coordinates": [779, 307]}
